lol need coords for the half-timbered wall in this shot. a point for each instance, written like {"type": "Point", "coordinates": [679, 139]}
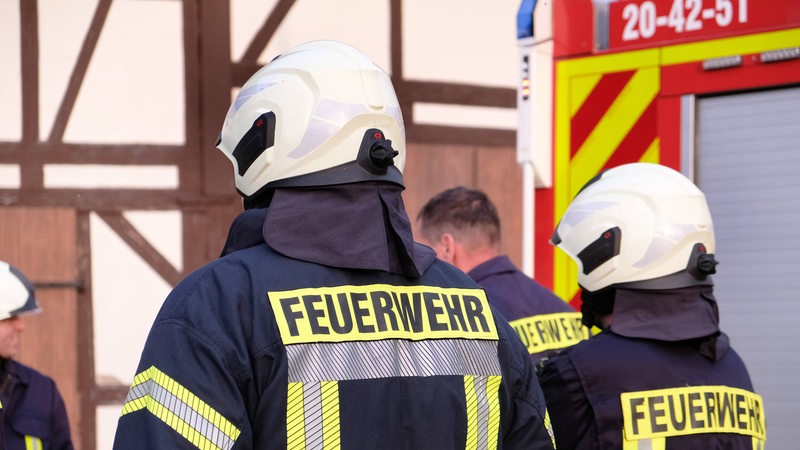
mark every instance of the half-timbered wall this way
{"type": "Point", "coordinates": [111, 190]}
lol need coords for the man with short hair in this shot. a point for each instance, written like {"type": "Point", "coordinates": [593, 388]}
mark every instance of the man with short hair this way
{"type": "Point", "coordinates": [463, 227]}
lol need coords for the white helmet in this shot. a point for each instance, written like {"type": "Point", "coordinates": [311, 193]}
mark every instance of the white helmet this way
{"type": "Point", "coordinates": [16, 293]}
{"type": "Point", "coordinates": [320, 114]}
{"type": "Point", "coordinates": [641, 225]}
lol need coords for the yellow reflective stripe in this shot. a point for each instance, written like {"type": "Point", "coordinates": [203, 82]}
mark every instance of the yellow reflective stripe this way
{"type": "Point", "coordinates": [550, 331]}
{"type": "Point", "coordinates": [181, 410]}
{"type": "Point", "coordinates": [472, 412]}
{"type": "Point", "coordinates": [493, 398]}
{"type": "Point", "coordinates": [330, 415]}
{"type": "Point", "coordinates": [758, 444]}
{"type": "Point", "coordinates": [692, 410]}
{"type": "Point", "coordinates": [295, 428]}
{"type": "Point", "coordinates": [548, 425]}
{"type": "Point", "coordinates": [312, 416]}
{"type": "Point", "coordinates": [483, 411]}
{"type": "Point", "coordinates": [33, 443]}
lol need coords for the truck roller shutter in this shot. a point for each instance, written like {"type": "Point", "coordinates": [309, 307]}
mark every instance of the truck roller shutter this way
{"type": "Point", "coordinates": [747, 161]}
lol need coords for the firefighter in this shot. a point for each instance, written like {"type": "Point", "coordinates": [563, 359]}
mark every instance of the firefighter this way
{"type": "Point", "coordinates": [463, 227]}
{"type": "Point", "coordinates": [32, 411]}
{"type": "Point", "coordinates": [323, 324]}
{"type": "Point", "coordinates": [660, 374]}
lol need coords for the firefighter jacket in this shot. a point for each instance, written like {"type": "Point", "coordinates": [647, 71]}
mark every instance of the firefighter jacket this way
{"type": "Point", "coordinates": [258, 350]}
{"type": "Point", "coordinates": [32, 411]}
{"type": "Point", "coordinates": [635, 392]}
{"type": "Point", "coordinates": [545, 323]}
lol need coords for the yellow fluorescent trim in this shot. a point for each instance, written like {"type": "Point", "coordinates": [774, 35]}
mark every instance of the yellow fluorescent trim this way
{"type": "Point", "coordinates": [614, 126]}
{"type": "Point", "coordinates": [580, 89]}
{"type": "Point", "coordinates": [615, 62]}
{"type": "Point", "coordinates": [380, 311]}
{"type": "Point", "coordinates": [653, 152]}
{"type": "Point", "coordinates": [330, 415]}
{"type": "Point", "coordinates": [295, 417]}
{"type": "Point", "coordinates": [550, 331]}
{"type": "Point", "coordinates": [692, 410]}
{"type": "Point", "coordinates": [176, 406]}
{"type": "Point", "coordinates": [472, 412]}
{"type": "Point", "coordinates": [739, 45]}
{"type": "Point", "coordinates": [493, 397]}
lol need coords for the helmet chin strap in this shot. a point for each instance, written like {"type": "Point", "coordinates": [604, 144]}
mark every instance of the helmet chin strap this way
{"type": "Point", "coordinates": [375, 162]}
{"type": "Point", "coordinates": [701, 264]}
{"type": "Point", "coordinates": [594, 305]}
{"type": "Point", "coordinates": [698, 269]}
{"type": "Point", "coordinates": [376, 153]}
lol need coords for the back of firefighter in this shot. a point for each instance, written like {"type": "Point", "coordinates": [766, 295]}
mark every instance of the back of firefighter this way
{"type": "Point", "coordinates": [661, 374]}
{"type": "Point", "coordinates": [323, 325]}
{"type": "Point", "coordinates": [463, 227]}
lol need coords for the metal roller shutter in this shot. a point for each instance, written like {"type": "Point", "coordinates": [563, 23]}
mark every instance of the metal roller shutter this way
{"type": "Point", "coordinates": [747, 161]}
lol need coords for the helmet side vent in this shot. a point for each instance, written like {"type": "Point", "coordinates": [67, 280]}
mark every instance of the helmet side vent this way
{"type": "Point", "coordinates": [601, 250]}
{"type": "Point", "coordinates": [259, 138]}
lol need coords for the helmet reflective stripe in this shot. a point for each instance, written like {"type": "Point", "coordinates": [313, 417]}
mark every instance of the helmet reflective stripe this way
{"type": "Point", "coordinates": [16, 293]}
{"type": "Point", "coordinates": [321, 97]}
{"type": "Point", "coordinates": [633, 223]}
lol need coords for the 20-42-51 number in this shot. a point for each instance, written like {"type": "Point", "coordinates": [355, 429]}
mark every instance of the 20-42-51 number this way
{"type": "Point", "coordinates": [642, 20]}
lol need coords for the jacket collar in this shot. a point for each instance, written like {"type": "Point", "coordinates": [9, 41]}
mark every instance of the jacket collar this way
{"type": "Point", "coordinates": [354, 226]}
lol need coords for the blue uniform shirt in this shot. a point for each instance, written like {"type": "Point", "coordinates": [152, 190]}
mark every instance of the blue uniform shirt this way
{"type": "Point", "coordinates": [32, 411]}
{"type": "Point", "coordinates": [545, 323]}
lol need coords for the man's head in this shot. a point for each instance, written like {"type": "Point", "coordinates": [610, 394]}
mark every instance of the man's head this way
{"type": "Point", "coordinates": [16, 299]}
{"type": "Point", "coordinates": [320, 114]}
{"type": "Point", "coordinates": [462, 225]}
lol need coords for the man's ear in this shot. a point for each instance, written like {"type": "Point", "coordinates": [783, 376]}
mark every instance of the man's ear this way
{"type": "Point", "coordinates": [446, 247]}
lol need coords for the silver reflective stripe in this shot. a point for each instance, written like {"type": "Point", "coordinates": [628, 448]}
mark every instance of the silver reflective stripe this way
{"type": "Point", "coordinates": [180, 409]}
{"type": "Point", "coordinates": [483, 411]}
{"type": "Point", "coordinates": [312, 399]}
{"type": "Point", "coordinates": [361, 360]}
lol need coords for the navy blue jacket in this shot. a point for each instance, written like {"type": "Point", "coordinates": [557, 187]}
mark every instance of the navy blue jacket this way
{"type": "Point", "coordinates": [545, 323]}
{"type": "Point", "coordinates": [257, 350]}
{"type": "Point", "coordinates": [31, 409]}
{"type": "Point", "coordinates": [688, 394]}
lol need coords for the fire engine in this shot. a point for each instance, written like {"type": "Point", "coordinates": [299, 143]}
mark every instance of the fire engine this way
{"type": "Point", "coordinates": [708, 87]}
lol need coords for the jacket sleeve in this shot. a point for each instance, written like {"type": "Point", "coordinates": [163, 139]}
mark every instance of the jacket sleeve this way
{"type": "Point", "coordinates": [59, 432]}
{"type": "Point", "coordinates": [569, 410]}
{"type": "Point", "coordinates": [527, 424]}
{"type": "Point", "coordinates": [187, 391]}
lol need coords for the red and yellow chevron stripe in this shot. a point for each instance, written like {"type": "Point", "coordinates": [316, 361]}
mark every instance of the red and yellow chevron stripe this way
{"type": "Point", "coordinates": [605, 115]}
{"type": "Point", "coordinates": [617, 108]}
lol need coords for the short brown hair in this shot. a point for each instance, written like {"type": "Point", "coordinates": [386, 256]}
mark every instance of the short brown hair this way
{"type": "Point", "coordinates": [466, 213]}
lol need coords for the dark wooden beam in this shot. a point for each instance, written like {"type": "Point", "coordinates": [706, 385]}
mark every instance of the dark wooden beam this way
{"type": "Point", "coordinates": [437, 134]}
{"type": "Point", "coordinates": [79, 71]}
{"type": "Point", "coordinates": [117, 154]}
{"type": "Point", "coordinates": [267, 30]}
{"type": "Point", "coordinates": [458, 94]}
{"type": "Point", "coordinates": [141, 246]}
